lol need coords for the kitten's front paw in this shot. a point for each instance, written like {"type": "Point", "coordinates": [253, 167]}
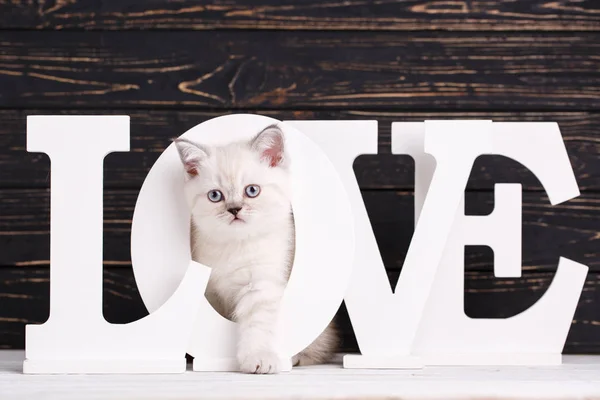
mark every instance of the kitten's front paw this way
{"type": "Point", "coordinates": [264, 362]}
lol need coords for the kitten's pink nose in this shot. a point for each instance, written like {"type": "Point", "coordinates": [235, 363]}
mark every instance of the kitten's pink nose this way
{"type": "Point", "coordinates": [234, 210]}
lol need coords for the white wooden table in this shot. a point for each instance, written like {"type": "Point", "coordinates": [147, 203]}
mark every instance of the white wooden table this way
{"type": "Point", "coordinates": [577, 378]}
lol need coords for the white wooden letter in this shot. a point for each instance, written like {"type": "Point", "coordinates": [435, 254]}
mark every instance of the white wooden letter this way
{"type": "Point", "coordinates": [324, 243]}
{"type": "Point", "coordinates": [386, 322]}
{"type": "Point", "coordinates": [536, 336]}
{"type": "Point", "coordinates": [76, 338]}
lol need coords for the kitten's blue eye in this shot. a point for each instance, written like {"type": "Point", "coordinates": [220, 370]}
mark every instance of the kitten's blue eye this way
{"type": "Point", "coordinates": [252, 190]}
{"type": "Point", "coordinates": [215, 196]}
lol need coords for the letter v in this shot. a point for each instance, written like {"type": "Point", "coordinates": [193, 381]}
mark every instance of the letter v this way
{"type": "Point", "coordinates": [386, 322]}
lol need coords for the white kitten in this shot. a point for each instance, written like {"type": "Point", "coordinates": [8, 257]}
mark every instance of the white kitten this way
{"type": "Point", "coordinates": [243, 228]}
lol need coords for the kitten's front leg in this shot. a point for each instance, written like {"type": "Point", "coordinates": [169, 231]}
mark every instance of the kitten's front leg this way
{"type": "Point", "coordinates": [256, 313]}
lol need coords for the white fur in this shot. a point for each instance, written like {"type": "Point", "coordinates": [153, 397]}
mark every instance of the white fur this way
{"type": "Point", "coordinates": [251, 257]}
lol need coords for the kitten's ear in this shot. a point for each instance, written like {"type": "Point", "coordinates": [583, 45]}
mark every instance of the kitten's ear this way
{"type": "Point", "coordinates": [191, 154]}
{"type": "Point", "coordinates": [269, 143]}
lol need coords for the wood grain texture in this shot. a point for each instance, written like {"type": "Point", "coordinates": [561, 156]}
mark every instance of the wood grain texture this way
{"type": "Point", "coordinates": [309, 70]}
{"type": "Point", "coordinates": [577, 378]}
{"type": "Point", "coordinates": [549, 232]}
{"type": "Point", "coordinates": [152, 130]}
{"type": "Point", "coordinates": [401, 15]}
{"type": "Point", "coordinates": [24, 299]}
{"type": "Point", "coordinates": [182, 62]}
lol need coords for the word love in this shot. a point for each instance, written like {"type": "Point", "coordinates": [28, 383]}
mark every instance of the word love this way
{"type": "Point", "coordinates": [421, 322]}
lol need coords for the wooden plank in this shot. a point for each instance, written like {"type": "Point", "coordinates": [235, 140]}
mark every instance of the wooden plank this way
{"type": "Point", "coordinates": [24, 299]}
{"type": "Point", "coordinates": [151, 131]}
{"type": "Point", "coordinates": [406, 15]}
{"type": "Point", "coordinates": [568, 230]}
{"type": "Point", "coordinates": [578, 377]}
{"type": "Point", "coordinates": [290, 70]}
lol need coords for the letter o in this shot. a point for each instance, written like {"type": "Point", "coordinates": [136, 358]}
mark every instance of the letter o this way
{"type": "Point", "coordinates": [160, 242]}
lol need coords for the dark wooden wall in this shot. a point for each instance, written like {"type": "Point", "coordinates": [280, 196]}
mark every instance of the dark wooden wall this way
{"type": "Point", "coordinates": [173, 64]}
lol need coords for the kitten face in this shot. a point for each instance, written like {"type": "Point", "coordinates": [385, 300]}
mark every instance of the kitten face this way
{"type": "Point", "coordinates": [240, 189]}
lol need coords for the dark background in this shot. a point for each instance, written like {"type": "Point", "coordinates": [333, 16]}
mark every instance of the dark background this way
{"type": "Point", "coordinates": [173, 64]}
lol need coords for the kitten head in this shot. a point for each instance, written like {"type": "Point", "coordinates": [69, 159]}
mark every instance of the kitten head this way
{"type": "Point", "coordinates": [239, 189]}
